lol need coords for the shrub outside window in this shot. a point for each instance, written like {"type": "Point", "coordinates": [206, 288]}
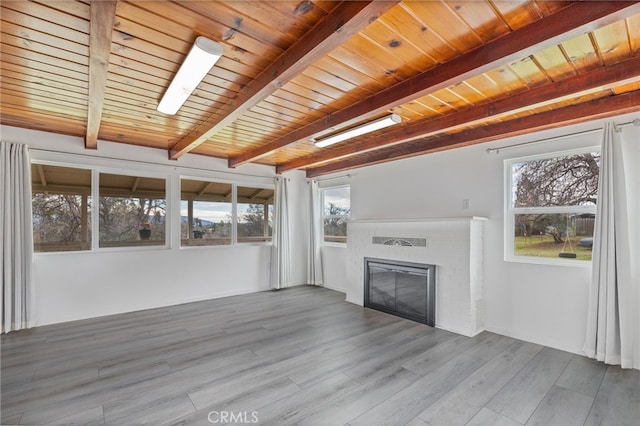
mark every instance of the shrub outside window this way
{"type": "Point", "coordinates": [61, 202]}
{"type": "Point", "coordinates": [132, 210]}
{"type": "Point", "coordinates": [336, 209]}
{"type": "Point", "coordinates": [206, 213]}
{"type": "Point", "coordinates": [551, 206]}
{"type": "Point", "coordinates": [255, 214]}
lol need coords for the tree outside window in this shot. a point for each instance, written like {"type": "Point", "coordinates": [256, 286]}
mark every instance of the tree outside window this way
{"type": "Point", "coordinates": [551, 210]}
{"type": "Point", "coordinates": [336, 202]}
{"type": "Point", "coordinates": [255, 214]}
{"type": "Point", "coordinates": [61, 204]}
{"type": "Point", "coordinates": [132, 210]}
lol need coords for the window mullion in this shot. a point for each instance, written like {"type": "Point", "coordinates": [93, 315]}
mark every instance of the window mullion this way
{"type": "Point", "coordinates": [95, 209]}
{"type": "Point", "coordinates": [554, 209]}
{"type": "Point", "coordinates": [234, 214]}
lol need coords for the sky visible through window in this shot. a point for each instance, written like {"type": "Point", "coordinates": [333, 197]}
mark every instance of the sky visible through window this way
{"type": "Point", "coordinates": [339, 197]}
{"type": "Point", "coordinates": [211, 211]}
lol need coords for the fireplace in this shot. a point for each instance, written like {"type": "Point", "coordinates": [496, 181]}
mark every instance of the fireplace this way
{"type": "Point", "coordinates": [405, 289]}
{"type": "Point", "coordinates": [455, 245]}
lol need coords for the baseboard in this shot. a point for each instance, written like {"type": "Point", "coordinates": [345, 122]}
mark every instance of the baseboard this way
{"type": "Point", "coordinates": [548, 343]}
{"type": "Point", "coordinates": [465, 333]}
{"type": "Point", "coordinates": [218, 295]}
{"type": "Point", "coordinates": [335, 288]}
{"type": "Point", "coordinates": [535, 340]}
{"type": "Point", "coordinates": [347, 299]}
{"type": "Point", "coordinates": [139, 308]}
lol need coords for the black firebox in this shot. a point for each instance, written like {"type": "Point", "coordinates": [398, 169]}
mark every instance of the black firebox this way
{"type": "Point", "coordinates": [405, 289]}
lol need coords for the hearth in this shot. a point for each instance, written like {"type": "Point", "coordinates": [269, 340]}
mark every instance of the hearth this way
{"type": "Point", "coordinates": [405, 289]}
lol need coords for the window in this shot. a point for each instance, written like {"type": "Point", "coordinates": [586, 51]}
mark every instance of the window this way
{"type": "Point", "coordinates": [255, 214]}
{"type": "Point", "coordinates": [206, 213]}
{"type": "Point", "coordinates": [61, 208]}
{"type": "Point", "coordinates": [132, 210]}
{"type": "Point", "coordinates": [76, 208]}
{"type": "Point", "coordinates": [336, 208]}
{"type": "Point", "coordinates": [551, 202]}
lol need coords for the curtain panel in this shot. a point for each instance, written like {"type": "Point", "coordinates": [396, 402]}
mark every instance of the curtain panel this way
{"type": "Point", "coordinates": [280, 254]}
{"type": "Point", "coordinates": [16, 252]}
{"type": "Point", "coordinates": [613, 326]}
{"type": "Point", "coordinates": [314, 261]}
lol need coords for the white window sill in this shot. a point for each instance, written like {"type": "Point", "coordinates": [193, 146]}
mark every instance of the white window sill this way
{"type": "Point", "coordinates": [342, 245]}
{"type": "Point", "coordinates": [548, 261]}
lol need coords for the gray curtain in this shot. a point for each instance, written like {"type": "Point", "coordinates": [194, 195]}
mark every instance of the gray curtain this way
{"type": "Point", "coordinates": [280, 254]}
{"type": "Point", "coordinates": [16, 252]}
{"type": "Point", "coordinates": [612, 322]}
{"type": "Point", "coordinates": [314, 271]}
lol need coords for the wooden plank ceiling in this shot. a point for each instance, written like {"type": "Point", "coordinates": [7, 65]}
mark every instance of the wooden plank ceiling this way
{"type": "Point", "coordinates": [457, 72]}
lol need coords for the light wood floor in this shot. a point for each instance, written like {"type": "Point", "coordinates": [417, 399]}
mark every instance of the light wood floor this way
{"type": "Point", "coordinates": [298, 356]}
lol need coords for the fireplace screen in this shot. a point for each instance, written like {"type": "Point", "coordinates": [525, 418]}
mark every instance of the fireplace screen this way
{"type": "Point", "coordinates": [400, 288]}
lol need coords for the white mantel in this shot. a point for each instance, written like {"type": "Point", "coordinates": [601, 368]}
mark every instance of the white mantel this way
{"type": "Point", "coordinates": [454, 245]}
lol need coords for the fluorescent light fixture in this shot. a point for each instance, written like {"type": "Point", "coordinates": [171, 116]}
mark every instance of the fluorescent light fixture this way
{"type": "Point", "coordinates": [201, 58]}
{"type": "Point", "coordinates": [371, 126]}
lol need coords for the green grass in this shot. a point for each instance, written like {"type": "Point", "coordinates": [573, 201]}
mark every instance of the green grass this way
{"type": "Point", "coordinates": [543, 246]}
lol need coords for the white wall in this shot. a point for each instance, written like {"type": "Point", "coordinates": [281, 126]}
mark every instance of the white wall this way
{"type": "Point", "coordinates": [79, 285]}
{"type": "Point", "coordinates": [334, 267]}
{"type": "Point", "coordinates": [299, 228]}
{"type": "Point", "coordinates": [538, 303]}
{"type": "Point", "coordinates": [71, 286]}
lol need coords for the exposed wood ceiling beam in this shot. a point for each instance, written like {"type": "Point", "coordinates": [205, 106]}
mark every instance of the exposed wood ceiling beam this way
{"type": "Point", "coordinates": [103, 15]}
{"type": "Point", "coordinates": [204, 197]}
{"type": "Point", "coordinates": [573, 20]}
{"type": "Point", "coordinates": [601, 108]}
{"type": "Point", "coordinates": [344, 21]}
{"type": "Point", "coordinates": [43, 178]}
{"type": "Point", "coordinates": [601, 78]}
{"type": "Point", "coordinates": [125, 192]}
{"type": "Point", "coordinates": [255, 194]}
{"type": "Point", "coordinates": [61, 189]}
{"type": "Point", "coordinates": [205, 188]}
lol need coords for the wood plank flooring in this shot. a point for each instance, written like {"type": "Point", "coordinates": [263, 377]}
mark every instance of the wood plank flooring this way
{"type": "Point", "coordinates": [298, 356]}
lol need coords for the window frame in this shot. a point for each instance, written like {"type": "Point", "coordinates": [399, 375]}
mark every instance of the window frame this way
{"type": "Point", "coordinates": [182, 177]}
{"type": "Point", "coordinates": [91, 217]}
{"type": "Point", "coordinates": [234, 210]}
{"type": "Point", "coordinates": [510, 211]}
{"type": "Point", "coordinates": [172, 184]}
{"type": "Point", "coordinates": [235, 213]}
{"type": "Point", "coordinates": [95, 190]}
{"type": "Point", "coordinates": [323, 216]}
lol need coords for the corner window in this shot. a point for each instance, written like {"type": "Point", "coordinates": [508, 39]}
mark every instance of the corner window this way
{"type": "Point", "coordinates": [132, 210]}
{"type": "Point", "coordinates": [551, 205]}
{"type": "Point", "coordinates": [205, 213]}
{"type": "Point", "coordinates": [61, 202]}
{"type": "Point", "coordinates": [255, 214]}
{"type": "Point", "coordinates": [336, 209]}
